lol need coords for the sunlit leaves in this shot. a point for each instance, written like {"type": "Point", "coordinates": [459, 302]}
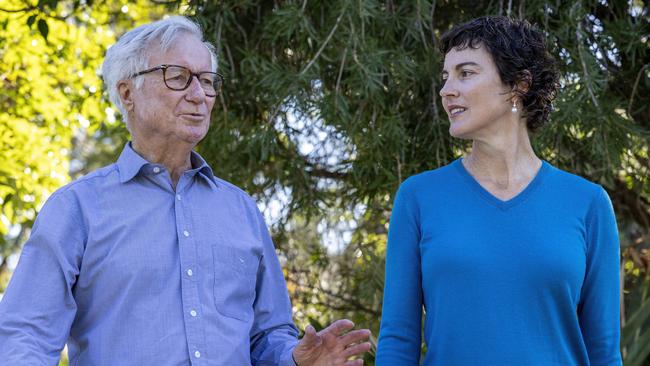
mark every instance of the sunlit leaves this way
{"type": "Point", "coordinates": [52, 95]}
{"type": "Point", "coordinates": [40, 106]}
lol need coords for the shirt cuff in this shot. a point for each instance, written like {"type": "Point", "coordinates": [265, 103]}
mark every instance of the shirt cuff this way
{"type": "Point", "coordinates": [288, 359]}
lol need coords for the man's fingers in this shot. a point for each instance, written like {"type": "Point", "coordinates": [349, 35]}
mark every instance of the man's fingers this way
{"type": "Point", "coordinates": [357, 349]}
{"type": "Point", "coordinates": [309, 329]}
{"type": "Point", "coordinates": [353, 363]}
{"type": "Point", "coordinates": [311, 339]}
{"type": "Point", "coordinates": [355, 336]}
{"type": "Point", "coordinates": [339, 327]}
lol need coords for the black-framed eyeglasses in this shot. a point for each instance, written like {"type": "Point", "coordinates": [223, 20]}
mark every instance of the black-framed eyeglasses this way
{"type": "Point", "coordinates": [180, 77]}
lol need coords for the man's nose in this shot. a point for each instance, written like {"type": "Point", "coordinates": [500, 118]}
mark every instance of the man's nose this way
{"type": "Point", "coordinates": [195, 92]}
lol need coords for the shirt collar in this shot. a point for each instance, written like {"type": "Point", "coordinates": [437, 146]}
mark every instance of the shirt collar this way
{"type": "Point", "coordinates": [130, 163]}
{"type": "Point", "coordinates": [200, 165]}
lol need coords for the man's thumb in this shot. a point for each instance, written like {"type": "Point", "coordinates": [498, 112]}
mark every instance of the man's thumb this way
{"type": "Point", "coordinates": [311, 338]}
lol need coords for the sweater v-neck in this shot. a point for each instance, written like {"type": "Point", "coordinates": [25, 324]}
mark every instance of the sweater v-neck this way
{"type": "Point", "coordinates": [492, 199]}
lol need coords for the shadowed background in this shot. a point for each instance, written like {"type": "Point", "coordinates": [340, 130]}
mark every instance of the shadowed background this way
{"type": "Point", "coordinates": [327, 106]}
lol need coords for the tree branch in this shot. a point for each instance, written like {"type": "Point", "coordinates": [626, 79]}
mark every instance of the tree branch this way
{"type": "Point", "coordinates": [638, 206]}
{"type": "Point", "coordinates": [349, 303]}
{"type": "Point", "coordinates": [29, 8]}
{"type": "Point", "coordinates": [584, 66]}
{"type": "Point", "coordinates": [322, 47]}
{"type": "Point", "coordinates": [636, 85]}
{"type": "Point", "coordinates": [320, 172]}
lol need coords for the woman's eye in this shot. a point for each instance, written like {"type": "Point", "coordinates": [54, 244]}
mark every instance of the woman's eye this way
{"type": "Point", "coordinates": [465, 73]}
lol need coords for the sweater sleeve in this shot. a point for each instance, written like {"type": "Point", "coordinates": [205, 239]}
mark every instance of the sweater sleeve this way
{"type": "Point", "coordinates": [400, 334]}
{"type": "Point", "coordinates": [599, 307]}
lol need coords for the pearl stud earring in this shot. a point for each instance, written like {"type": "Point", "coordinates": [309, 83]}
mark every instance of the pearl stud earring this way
{"type": "Point", "coordinates": [514, 107]}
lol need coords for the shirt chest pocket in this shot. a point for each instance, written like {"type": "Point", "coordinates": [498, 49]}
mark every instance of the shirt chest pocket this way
{"type": "Point", "coordinates": [235, 277]}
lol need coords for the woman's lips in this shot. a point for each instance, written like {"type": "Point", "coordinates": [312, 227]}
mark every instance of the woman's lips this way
{"type": "Point", "coordinates": [455, 111]}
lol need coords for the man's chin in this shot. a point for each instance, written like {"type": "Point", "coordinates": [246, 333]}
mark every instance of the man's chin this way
{"type": "Point", "coordinates": [194, 139]}
{"type": "Point", "coordinates": [192, 134]}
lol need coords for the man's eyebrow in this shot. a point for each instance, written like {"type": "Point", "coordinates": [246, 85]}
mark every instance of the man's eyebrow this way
{"type": "Point", "coordinates": [461, 65]}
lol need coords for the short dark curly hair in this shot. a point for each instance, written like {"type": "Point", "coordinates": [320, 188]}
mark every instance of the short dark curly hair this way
{"type": "Point", "coordinates": [520, 53]}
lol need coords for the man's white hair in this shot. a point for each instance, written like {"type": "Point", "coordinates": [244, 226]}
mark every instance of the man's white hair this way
{"type": "Point", "coordinates": [130, 54]}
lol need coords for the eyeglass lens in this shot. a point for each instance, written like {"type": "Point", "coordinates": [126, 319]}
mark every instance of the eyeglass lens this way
{"type": "Point", "coordinates": [179, 78]}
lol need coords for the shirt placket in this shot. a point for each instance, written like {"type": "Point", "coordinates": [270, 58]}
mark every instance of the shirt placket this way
{"type": "Point", "coordinates": [187, 242]}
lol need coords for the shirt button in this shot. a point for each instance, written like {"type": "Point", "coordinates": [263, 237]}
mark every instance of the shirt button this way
{"type": "Point", "coordinates": [197, 354]}
{"type": "Point", "coordinates": [186, 233]}
{"type": "Point", "coordinates": [156, 169]}
{"type": "Point", "coordinates": [193, 313]}
{"type": "Point", "coordinates": [178, 197]}
{"type": "Point", "coordinates": [189, 272]}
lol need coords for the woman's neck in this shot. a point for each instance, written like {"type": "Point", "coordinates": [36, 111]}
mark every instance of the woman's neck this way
{"type": "Point", "coordinates": [503, 167]}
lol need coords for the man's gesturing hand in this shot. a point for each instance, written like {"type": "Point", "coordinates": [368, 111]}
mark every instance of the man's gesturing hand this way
{"type": "Point", "coordinates": [332, 346]}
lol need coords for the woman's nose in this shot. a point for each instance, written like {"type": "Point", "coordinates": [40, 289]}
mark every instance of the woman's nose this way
{"type": "Point", "coordinates": [448, 89]}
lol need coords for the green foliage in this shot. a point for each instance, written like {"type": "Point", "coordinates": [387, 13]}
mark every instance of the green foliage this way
{"type": "Point", "coordinates": [52, 100]}
{"type": "Point", "coordinates": [635, 337]}
{"type": "Point", "coordinates": [64, 360]}
{"type": "Point", "coordinates": [329, 105]}
{"type": "Point", "coordinates": [334, 103]}
{"type": "Point", "coordinates": [50, 89]}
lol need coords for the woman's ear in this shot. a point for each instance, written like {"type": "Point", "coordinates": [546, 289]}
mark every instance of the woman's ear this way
{"type": "Point", "coordinates": [522, 83]}
{"type": "Point", "coordinates": [124, 88]}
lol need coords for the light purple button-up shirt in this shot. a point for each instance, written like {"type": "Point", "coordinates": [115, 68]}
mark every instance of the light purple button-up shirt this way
{"type": "Point", "coordinates": [128, 271]}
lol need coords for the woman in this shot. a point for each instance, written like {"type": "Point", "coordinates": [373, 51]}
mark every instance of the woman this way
{"type": "Point", "coordinates": [512, 261]}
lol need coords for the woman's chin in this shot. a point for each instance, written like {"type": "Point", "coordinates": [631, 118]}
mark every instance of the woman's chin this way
{"type": "Point", "coordinates": [456, 130]}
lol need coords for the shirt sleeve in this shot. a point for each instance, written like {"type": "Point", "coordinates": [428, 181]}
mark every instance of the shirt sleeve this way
{"type": "Point", "coordinates": [38, 307]}
{"type": "Point", "coordinates": [273, 335]}
{"type": "Point", "coordinates": [400, 334]}
{"type": "Point", "coordinates": [599, 307]}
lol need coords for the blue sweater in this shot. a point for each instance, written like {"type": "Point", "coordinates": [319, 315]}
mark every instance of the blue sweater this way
{"type": "Point", "coordinates": [529, 281]}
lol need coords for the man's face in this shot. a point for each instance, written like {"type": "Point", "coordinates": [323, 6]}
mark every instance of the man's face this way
{"type": "Point", "coordinates": [161, 114]}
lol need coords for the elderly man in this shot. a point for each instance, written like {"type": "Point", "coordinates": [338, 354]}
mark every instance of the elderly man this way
{"type": "Point", "coordinates": [153, 260]}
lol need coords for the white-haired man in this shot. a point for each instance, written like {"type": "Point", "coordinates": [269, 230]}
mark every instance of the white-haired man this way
{"type": "Point", "coordinates": [153, 260]}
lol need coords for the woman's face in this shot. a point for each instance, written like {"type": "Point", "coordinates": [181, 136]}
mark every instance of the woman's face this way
{"type": "Point", "coordinates": [478, 103]}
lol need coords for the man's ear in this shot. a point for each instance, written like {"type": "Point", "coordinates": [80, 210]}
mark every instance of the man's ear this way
{"type": "Point", "coordinates": [124, 89]}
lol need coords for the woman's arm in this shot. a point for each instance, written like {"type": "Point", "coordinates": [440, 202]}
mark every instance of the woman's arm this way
{"type": "Point", "coordinates": [599, 307]}
{"type": "Point", "coordinates": [400, 335]}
